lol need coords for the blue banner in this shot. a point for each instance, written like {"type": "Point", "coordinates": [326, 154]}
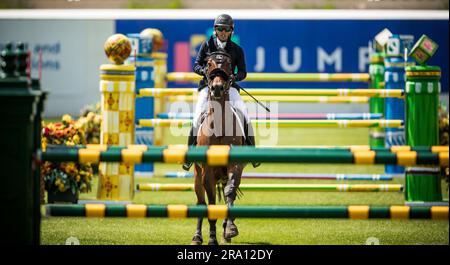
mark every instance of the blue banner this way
{"type": "Point", "coordinates": [303, 46]}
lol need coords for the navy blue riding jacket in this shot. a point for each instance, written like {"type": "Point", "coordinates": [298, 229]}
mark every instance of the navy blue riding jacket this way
{"type": "Point", "coordinates": [237, 57]}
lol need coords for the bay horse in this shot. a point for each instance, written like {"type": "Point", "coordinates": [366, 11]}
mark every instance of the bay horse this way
{"type": "Point", "coordinates": [215, 130]}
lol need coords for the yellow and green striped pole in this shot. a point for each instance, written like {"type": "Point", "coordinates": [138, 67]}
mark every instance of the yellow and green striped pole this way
{"type": "Point", "coordinates": [222, 155]}
{"type": "Point", "coordinates": [215, 212]}
{"type": "Point", "coordinates": [117, 87]}
{"type": "Point", "coordinates": [349, 148]}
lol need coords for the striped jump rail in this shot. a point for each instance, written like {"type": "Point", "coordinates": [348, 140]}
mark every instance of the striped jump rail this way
{"type": "Point", "coordinates": [222, 155]}
{"type": "Point", "coordinates": [290, 99]}
{"type": "Point", "coordinates": [349, 148]}
{"type": "Point", "coordinates": [287, 116]}
{"type": "Point", "coordinates": [366, 92]}
{"type": "Point", "coordinates": [286, 123]}
{"type": "Point", "coordinates": [307, 176]}
{"type": "Point", "coordinates": [280, 77]}
{"type": "Point", "coordinates": [281, 187]}
{"type": "Point", "coordinates": [222, 211]}
{"type": "Point", "coordinates": [356, 148]}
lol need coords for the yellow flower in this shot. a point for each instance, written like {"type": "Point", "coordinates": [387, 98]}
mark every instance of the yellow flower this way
{"type": "Point", "coordinates": [44, 143]}
{"type": "Point", "coordinates": [90, 116]}
{"type": "Point", "coordinates": [71, 167]}
{"type": "Point", "coordinates": [98, 119]}
{"type": "Point", "coordinates": [61, 188]}
{"type": "Point", "coordinates": [66, 118]}
{"type": "Point", "coordinates": [76, 139]}
{"type": "Point", "coordinates": [81, 122]}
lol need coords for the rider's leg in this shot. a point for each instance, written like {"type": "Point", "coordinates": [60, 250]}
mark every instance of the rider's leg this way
{"type": "Point", "coordinates": [200, 107]}
{"type": "Point", "coordinates": [239, 104]}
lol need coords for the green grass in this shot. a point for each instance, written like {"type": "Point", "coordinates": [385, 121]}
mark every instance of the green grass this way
{"type": "Point", "coordinates": [163, 231]}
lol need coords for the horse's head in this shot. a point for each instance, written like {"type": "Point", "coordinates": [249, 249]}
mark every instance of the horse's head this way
{"type": "Point", "coordinates": [219, 74]}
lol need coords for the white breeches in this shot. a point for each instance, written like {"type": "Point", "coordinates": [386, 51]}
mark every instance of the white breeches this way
{"type": "Point", "coordinates": [202, 103]}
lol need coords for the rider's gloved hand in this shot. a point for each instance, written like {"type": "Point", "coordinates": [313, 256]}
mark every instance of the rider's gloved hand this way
{"type": "Point", "coordinates": [232, 78]}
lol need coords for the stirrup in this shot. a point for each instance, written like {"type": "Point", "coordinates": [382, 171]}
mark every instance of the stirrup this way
{"type": "Point", "coordinates": [187, 166]}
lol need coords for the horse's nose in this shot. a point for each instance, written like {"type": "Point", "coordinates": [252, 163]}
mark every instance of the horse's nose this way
{"type": "Point", "coordinates": [217, 90]}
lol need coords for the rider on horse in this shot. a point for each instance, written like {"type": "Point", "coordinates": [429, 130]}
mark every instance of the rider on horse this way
{"type": "Point", "coordinates": [221, 41]}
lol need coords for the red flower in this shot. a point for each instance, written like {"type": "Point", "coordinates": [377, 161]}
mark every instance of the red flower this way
{"type": "Point", "coordinates": [46, 131]}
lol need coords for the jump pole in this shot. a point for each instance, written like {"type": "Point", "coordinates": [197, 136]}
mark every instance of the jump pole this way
{"type": "Point", "coordinates": [222, 211]}
{"type": "Point", "coordinates": [287, 123]}
{"type": "Point", "coordinates": [304, 176]}
{"type": "Point", "coordinates": [281, 187]}
{"type": "Point", "coordinates": [220, 155]}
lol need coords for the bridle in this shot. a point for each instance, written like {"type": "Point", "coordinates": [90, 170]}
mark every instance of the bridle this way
{"type": "Point", "coordinates": [219, 64]}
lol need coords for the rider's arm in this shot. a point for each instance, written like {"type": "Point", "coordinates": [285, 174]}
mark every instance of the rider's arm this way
{"type": "Point", "coordinates": [200, 63]}
{"type": "Point", "coordinates": [240, 63]}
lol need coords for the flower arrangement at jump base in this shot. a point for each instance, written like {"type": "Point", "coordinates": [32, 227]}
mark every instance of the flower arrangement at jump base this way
{"type": "Point", "coordinates": [444, 136]}
{"type": "Point", "coordinates": [90, 120]}
{"type": "Point", "coordinates": [64, 181]}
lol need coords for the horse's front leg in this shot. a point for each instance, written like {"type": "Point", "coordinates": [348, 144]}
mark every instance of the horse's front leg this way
{"type": "Point", "coordinates": [210, 185]}
{"type": "Point", "coordinates": [200, 192]}
{"type": "Point", "coordinates": [234, 180]}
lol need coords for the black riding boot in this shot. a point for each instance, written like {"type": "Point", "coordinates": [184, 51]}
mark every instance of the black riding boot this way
{"type": "Point", "coordinates": [192, 141]}
{"type": "Point", "coordinates": [250, 139]}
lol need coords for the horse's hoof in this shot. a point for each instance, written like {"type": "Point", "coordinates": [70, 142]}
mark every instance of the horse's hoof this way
{"type": "Point", "coordinates": [197, 240]}
{"type": "Point", "coordinates": [231, 231]}
{"type": "Point", "coordinates": [226, 240]}
{"type": "Point", "coordinates": [213, 241]}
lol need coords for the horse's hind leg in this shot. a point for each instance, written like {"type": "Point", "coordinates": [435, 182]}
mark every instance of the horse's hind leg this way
{"type": "Point", "coordinates": [200, 192]}
{"type": "Point", "coordinates": [229, 228]}
{"type": "Point", "coordinates": [211, 193]}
